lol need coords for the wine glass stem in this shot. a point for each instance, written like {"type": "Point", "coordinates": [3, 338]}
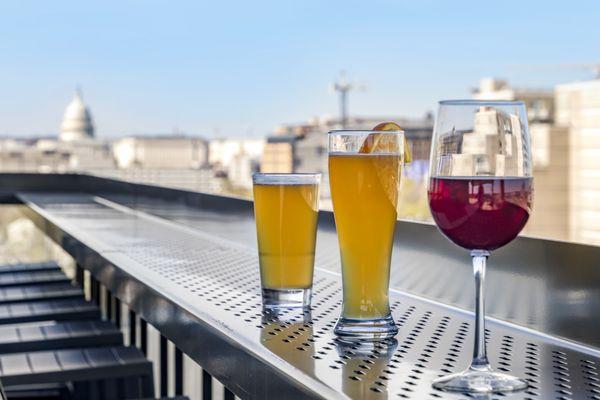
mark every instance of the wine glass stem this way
{"type": "Point", "coordinates": [480, 361]}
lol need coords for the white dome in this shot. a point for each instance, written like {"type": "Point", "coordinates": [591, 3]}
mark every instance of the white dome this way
{"type": "Point", "coordinates": [77, 121]}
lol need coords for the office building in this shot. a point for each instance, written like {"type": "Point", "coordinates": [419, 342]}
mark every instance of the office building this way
{"type": "Point", "coordinates": [161, 152]}
{"type": "Point", "coordinates": [578, 113]}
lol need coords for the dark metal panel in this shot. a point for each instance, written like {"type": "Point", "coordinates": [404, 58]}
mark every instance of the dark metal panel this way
{"type": "Point", "coordinates": [28, 267]}
{"type": "Point", "coordinates": [60, 335]}
{"type": "Point", "coordinates": [95, 291]}
{"type": "Point", "coordinates": [108, 303]}
{"type": "Point", "coordinates": [228, 394]}
{"type": "Point", "coordinates": [79, 275]}
{"type": "Point", "coordinates": [57, 310]}
{"type": "Point", "coordinates": [117, 305]}
{"type": "Point", "coordinates": [132, 328]}
{"type": "Point", "coordinates": [206, 386]}
{"type": "Point", "coordinates": [29, 278]}
{"type": "Point", "coordinates": [10, 183]}
{"type": "Point", "coordinates": [99, 185]}
{"type": "Point", "coordinates": [164, 366]}
{"type": "Point", "coordinates": [22, 294]}
{"type": "Point", "coordinates": [178, 372]}
{"type": "Point", "coordinates": [72, 365]}
{"type": "Point", "coordinates": [144, 336]}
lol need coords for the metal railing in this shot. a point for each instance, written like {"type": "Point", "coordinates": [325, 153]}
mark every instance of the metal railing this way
{"type": "Point", "coordinates": [170, 369]}
{"type": "Point", "coordinates": [185, 263]}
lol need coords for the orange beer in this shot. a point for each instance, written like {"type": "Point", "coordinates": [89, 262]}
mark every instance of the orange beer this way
{"type": "Point", "coordinates": [364, 190]}
{"type": "Point", "coordinates": [286, 209]}
{"type": "Point", "coordinates": [364, 176]}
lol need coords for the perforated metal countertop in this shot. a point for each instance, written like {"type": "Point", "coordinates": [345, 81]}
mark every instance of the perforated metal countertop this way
{"type": "Point", "coordinates": [217, 282]}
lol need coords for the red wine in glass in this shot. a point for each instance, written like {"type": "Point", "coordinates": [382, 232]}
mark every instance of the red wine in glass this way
{"type": "Point", "coordinates": [480, 196]}
{"type": "Point", "coordinates": [482, 213]}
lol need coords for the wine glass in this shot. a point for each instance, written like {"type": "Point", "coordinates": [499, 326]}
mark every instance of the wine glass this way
{"type": "Point", "coordinates": [480, 196]}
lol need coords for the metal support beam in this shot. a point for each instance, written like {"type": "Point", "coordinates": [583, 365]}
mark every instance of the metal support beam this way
{"type": "Point", "coordinates": [206, 386]}
{"type": "Point", "coordinates": [178, 372]}
{"type": "Point", "coordinates": [164, 366]}
{"type": "Point", "coordinates": [132, 328]}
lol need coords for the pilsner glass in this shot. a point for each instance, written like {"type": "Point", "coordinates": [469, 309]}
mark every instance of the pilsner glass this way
{"type": "Point", "coordinates": [285, 209]}
{"type": "Point", "coordinates": [364, 191]}
{"type": "Point", "coordinates": [480, 196]}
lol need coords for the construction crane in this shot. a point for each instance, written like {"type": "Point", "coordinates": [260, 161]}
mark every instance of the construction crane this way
{"type": "Point", "coordinates": [343, 87]}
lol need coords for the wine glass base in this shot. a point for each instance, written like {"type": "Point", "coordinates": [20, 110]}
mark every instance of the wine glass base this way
{"type": "Point", "coordinates": [479, 381]}
{"type": "Point", "coordinates": [365, 330]}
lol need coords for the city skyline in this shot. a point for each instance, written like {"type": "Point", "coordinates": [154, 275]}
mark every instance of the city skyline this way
{"type": "Point", "coordinates": [149, 67]}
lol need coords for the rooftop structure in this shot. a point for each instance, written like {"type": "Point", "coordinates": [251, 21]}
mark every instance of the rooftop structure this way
{"type": "Point", "coordinates": [539, 102]}
{"type": "Point", "coordinates": [303, 147]}
{"type": "Point", "coordinates": [578, 112]}
{"type": "Point", "coordinates": [77, 121]}
{"type": "Point", "coordinates": [160, 152]}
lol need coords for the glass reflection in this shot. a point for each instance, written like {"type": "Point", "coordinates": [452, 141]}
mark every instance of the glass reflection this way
{"type": "Point", "coordinates": [364, 367]}
{"type": "Point", "coordinates": [288, 334]}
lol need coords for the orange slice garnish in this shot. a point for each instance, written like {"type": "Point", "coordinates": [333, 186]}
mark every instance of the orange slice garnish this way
{"type": "Point", "coordinates": [375, 142]}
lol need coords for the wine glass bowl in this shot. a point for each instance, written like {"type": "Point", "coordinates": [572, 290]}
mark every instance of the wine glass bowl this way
{"type": "Point", "coordinates": [480, 213]}
{"type": "Point", "coordinates": [480, 196]}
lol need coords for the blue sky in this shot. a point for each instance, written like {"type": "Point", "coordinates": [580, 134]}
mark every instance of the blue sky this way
{"type": "Point", "coordinates": [238, 68]}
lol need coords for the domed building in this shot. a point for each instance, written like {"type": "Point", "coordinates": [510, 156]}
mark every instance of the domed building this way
{"type": "Point", "coordinates": [77, 121]}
